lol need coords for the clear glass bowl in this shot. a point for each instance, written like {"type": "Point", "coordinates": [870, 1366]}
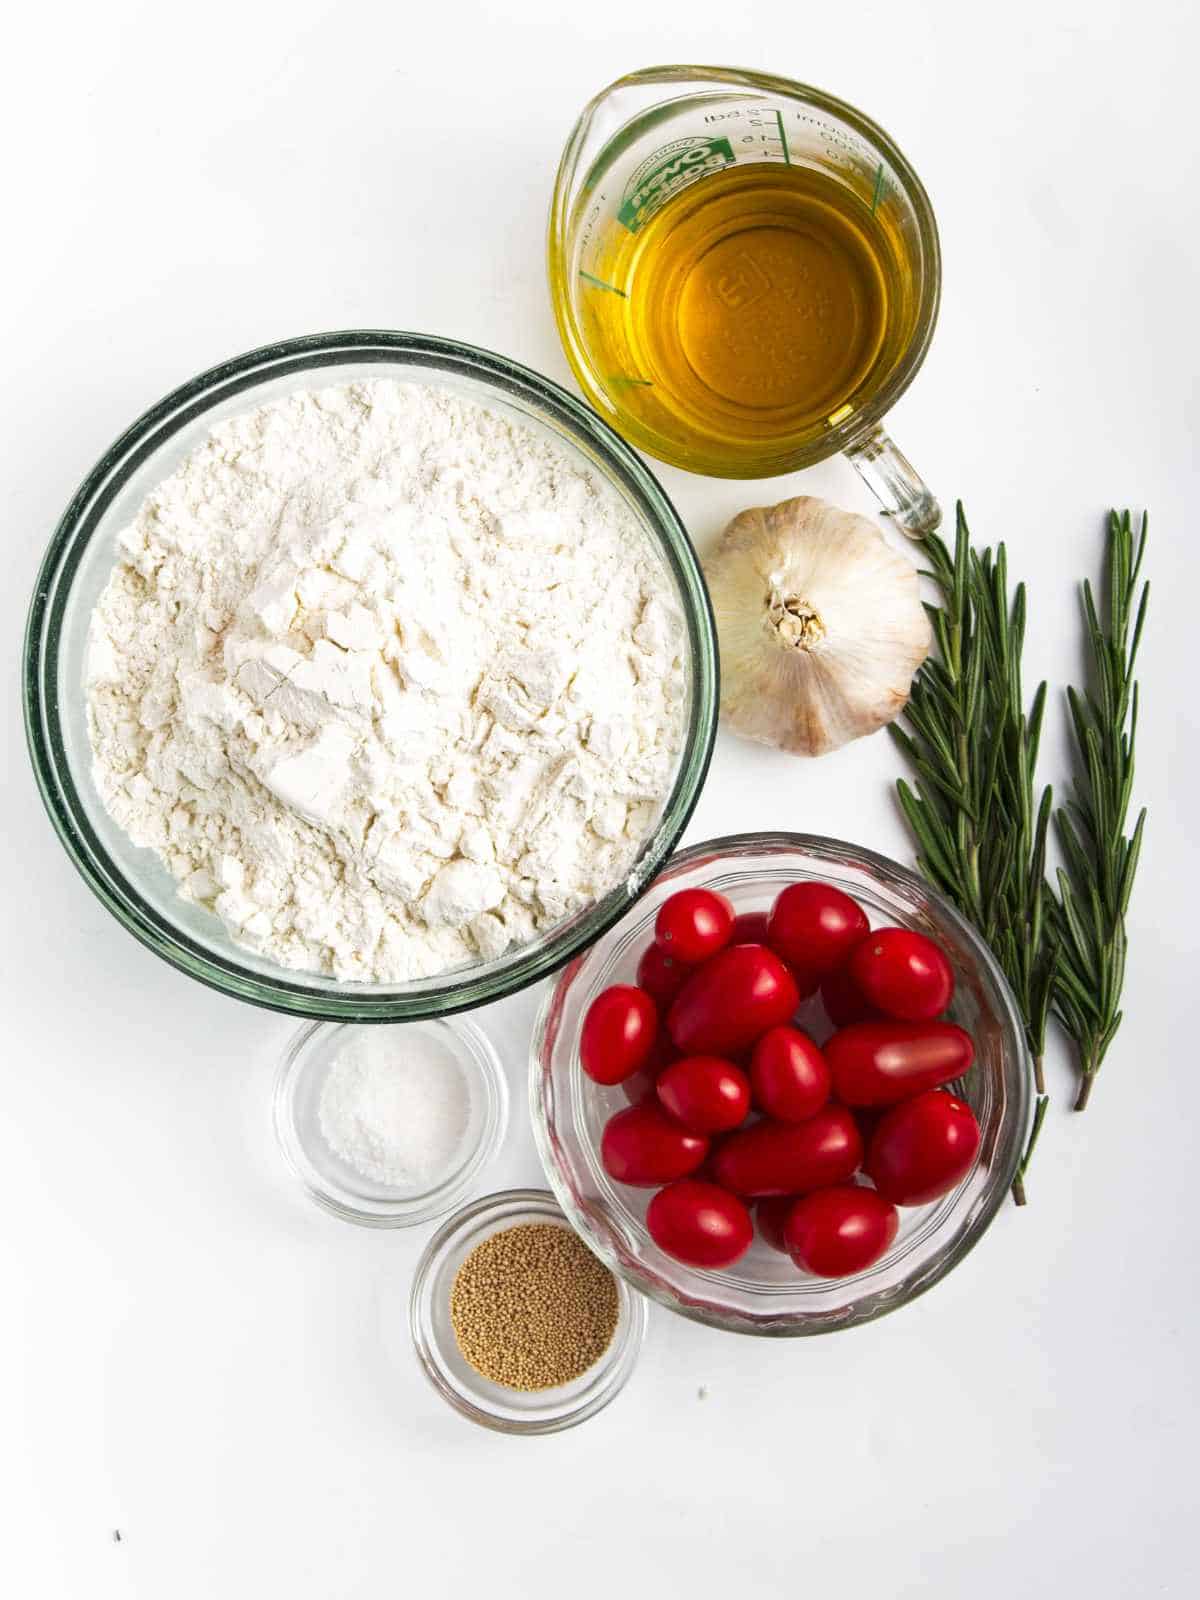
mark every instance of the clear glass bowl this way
{"type": "Point", "coordinates": [764, 1293]}
{"type": "Point", "coordinates": [332, 1182]}
{"type": "Point", "coordinates": [132, 882]}
{"type": "Point", "coordinates": [474, 1396]}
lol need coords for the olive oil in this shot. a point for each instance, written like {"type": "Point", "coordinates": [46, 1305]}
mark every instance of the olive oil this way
{"type": "Point", "coordinates": [756, 307]}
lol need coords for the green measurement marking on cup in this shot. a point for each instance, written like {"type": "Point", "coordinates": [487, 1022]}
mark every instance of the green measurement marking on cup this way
{"type": "Point", "coordinates": [787, 154]}
{"type": "Point", "coordinates": [878, 188]}
{"type": "Point", "coordinates": [600, 284]}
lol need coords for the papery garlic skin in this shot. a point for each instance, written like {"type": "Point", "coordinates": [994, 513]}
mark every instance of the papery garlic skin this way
{"type": "Point", "coordinates": [820, 625]}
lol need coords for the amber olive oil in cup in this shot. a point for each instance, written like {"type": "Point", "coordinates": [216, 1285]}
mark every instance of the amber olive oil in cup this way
{"type": "Point", "coordinates": [745, 273]}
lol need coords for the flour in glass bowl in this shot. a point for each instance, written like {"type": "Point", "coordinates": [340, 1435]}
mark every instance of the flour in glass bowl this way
{"type": "Point", "coordinates": [387, 681]}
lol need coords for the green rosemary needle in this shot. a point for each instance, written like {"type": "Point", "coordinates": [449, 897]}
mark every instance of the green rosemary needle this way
{"type": "Point", "coordinates": [979, 824]}
{"type": "Point", "coordinates": [1100, 859]}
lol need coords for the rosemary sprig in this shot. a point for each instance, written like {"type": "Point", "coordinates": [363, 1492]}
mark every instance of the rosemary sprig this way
{"type": "Point", "coordinates": [981, 835]}
{"type": "Point", "coordinates": [1100, 859]}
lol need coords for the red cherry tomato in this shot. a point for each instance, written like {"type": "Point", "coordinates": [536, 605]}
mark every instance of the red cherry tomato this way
{"type": "Point", "coordinates": [813, 926]}
{"type": "Point", "coordinates": [790, 1157]}
{"type": "Point", "coordinates": [663, 1052]}
{"type": "Point", "coordinates": [661, 975]}
{"type": "Point", "coordinates": [789, 1075]}
{"type": "Point", "coordinates": [868, 1119]}
{"type": "Point", "coordinates": [693, 925]}
{"type": "Point", "coordinates": [643, 1146]}
{"type": "Point", "coordinates": [706, 1094]}
{"type": "Point", "coordinates": [842, 1001]}
{"type": "Point", "coordinates": [770, 1215]}
{"type": "Point", "coordinates": [699, 1223]}
{"type": "Point", "coordinates": [923, 1148]}
{"type": "Point", "coordinates": [834, 1232]}
{"type": "Point", "coordinates": [878, 1063]}
{"type": "Point", "coordinates": [749, 928]}
{"type": "Point", "coordinates": [902, 973]}
{"type": "Point", "coordinates": [640, 1087]}
{"type": "Point", "coordinates": [618, 1033]}
{"type": "Point", "coordinates": [732, 999]}
{"type": "Point", "coordinates": [643, 1082]}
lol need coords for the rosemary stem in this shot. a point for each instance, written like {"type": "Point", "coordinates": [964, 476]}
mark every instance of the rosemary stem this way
{"type": "Point", "coordinates": [980, 819]}
{"type": "Point", "coordinates": [1039, 1117]}
{"type": "Point", "coordinates": [972, 805]}
{"type": "Point", "coordinates": [1096, 880]}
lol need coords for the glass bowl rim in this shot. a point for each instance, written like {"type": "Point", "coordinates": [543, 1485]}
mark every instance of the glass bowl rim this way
{"type": "Point", "coordinates": [417, 1208]}
{"type": "Point", "coordinates": [623, 1355]}
{"type": "Point", "coordinates": [788, 1325]}
{"type": "Point", "coordinates": [481, 983]}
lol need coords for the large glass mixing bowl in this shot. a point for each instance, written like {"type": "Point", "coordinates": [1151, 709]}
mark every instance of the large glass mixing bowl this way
{"type": "Point", "coordinates": [132, 882]}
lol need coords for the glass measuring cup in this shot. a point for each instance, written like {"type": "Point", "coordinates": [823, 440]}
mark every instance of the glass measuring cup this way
{"type": "Point", "coordinates": [652, 135]}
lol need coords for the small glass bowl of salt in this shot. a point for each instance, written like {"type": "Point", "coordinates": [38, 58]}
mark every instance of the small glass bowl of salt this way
{"type": "Point", "coordinates": [390, 1125]}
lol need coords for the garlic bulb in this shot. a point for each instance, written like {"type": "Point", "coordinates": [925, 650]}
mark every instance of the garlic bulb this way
{"type": "Point", "coordinates": [820, 625]}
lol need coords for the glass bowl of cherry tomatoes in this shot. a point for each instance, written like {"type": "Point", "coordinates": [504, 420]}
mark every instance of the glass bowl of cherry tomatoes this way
{"type": "Point", "coordinates": [787, 1092]}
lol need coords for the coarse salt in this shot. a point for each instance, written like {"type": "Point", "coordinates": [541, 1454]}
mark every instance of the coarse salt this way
{"type": "Point", "coordinates": [396, 1106]}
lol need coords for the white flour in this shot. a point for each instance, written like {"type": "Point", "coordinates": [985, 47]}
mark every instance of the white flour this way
{"type": "Point", "coordinates": [386, 680]}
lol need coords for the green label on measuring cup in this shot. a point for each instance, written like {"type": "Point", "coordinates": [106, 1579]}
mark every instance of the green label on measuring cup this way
{"type": "Point", "coordinates": [671, 167]}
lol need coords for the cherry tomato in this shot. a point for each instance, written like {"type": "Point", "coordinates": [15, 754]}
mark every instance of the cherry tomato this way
{"type": "Point", "coordinates": [868, 1119]}
{"type": "Point", "coordinates": [902, 973]}
{"type": "Point", "coordinates": [842, 1001]}
{"type": "Point", "coordinates": [749, 928]}
{"type": "Point", "coordinates": [699, 1223]}
{"type": "Point", "coordinates": [662, 1052]}
{"type": "Point", "coordinates": [661, 975]}
{"type": "Point", "coordinates": [643, 1082]}
{"type": "Point", "coordinates": [704, 1172]}
{"type": "Point", "coordinates": [732, 999]}
{"type": "Point", "coordinates": [643, 1146]}
{"type": "Point", "coordinates": [834, 1232]}
{"type": "Point", "coordinates": [617, 1034]}
{"type": "Point", "coordinates": [878, 1063]}
{"type": "Point", "coordinates": [790, 1157]}
{"type": "Point", "coordinates": [640, 1087]}
{"type": "Point", "coordinates": [693, 925]}
{"type": "Point", "coordinates": [706, 1094]}
{"type": "Point", "coordinates": [923, 1148]}
{"type": "Point", "coordinates": [789, 1075]}
{"type": "Point", "coordinates": [814, 926]}
{"type": "Point", "coordinates": [770, 1216]}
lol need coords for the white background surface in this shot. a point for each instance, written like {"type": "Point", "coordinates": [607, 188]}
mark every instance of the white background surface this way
{"type": "Point", "coordinates": [189, 1351]}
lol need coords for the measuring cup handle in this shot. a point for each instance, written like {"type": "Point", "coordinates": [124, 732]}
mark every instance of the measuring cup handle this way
{"type": "Point", "coordinates": [891, 478]}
